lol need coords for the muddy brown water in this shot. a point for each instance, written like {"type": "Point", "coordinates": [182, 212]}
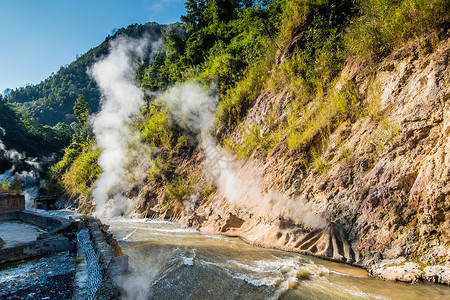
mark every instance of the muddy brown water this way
{"type": "Point", "coordinates": [170, 262]}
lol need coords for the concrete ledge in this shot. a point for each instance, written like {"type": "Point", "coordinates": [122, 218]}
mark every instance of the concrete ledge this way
{"type": "Point", "coordinates": [52, 224]}
{"type": "Point", "coordinates": [8, 215]}
{"type": "Point", "coordinates": [102, 248]}
{"type": "Point", "coordinates": [36, 248]}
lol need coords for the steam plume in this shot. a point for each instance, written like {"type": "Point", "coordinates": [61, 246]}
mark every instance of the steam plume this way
{"type": "Point", "coordinates": [121, 99]}
{"type": "Point", "coordinates": [192, 104]}
{"type": "Point", "coordinates": [241, 185]}
{"type": "Point", "coordinates": [22, 168]}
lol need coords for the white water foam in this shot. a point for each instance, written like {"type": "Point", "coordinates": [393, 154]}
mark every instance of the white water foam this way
{"type": "Point", "coordinates": [128, 235]}
{"type": "Point", "coordinates": [177, 260]}
{"type": "Point", "coordinates": [274, 273]}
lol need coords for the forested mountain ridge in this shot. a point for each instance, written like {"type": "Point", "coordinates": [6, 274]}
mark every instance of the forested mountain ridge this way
{"type": "Point", "coordinates": [21, 138]}
{"type": "Point", "coordinates": [52, 100]}
{"type": "Point", "coordinates": [38, 121]}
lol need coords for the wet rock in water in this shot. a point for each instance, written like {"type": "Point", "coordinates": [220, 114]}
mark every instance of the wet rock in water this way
{"type": "Point", "coordinates": [2, 243]}
{"type": "Point", "coordinates": [397, 270]}
{"type": "Point", "coordinates": [402, 270]}
{"type": "Point", "coordinates": [438, 274]}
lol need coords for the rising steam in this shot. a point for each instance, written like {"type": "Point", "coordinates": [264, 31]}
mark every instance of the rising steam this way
{"type": "Point", "coordinates": [23, 169]}
{"type": "Point", "coordinates": [190, 104]}
{"type": "Point", "coordinates": [121, 99]}
{"type": "Point", "coordinates": [241, 185]}
{"type": "Point", "coordinates": [193, 105]}
{"type": "Point", "coordinates": [10, 154]}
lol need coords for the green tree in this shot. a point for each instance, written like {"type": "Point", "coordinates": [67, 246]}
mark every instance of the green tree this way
{"type": "Point", "coordinates": [83, 130]}
{"type": "Point", "coordinates": [194, 17]}
{"type": "Point", "coordinates": [81, 110]}
{"type": "Point", "coordinates": [222, 10]}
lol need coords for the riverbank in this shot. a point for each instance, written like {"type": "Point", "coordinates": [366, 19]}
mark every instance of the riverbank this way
{"type": "Point", "coordinates": [367, 191]}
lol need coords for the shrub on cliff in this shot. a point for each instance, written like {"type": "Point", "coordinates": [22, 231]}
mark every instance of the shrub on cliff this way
{"type": "Point", "coordinates": [11, 187]}
{"type": "Point", "coordinates": [381, 26]}
{"type": "Point", "coordinates": [79, 178]}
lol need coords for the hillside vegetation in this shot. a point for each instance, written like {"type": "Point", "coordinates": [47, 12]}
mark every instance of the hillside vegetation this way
{"type": "Point", "coordinates": [38, 121]}
{"type": "Point", "coordinates": [307, 94]}
{"type": "Point", "coordinates": [20, 138]}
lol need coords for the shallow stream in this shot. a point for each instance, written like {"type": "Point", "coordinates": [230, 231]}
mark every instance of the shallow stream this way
{"type": "Point", "coordinates": [171, 262]}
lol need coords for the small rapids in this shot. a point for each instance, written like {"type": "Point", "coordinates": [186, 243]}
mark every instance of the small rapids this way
{"type": "Point", "coordinates": [170, 262]}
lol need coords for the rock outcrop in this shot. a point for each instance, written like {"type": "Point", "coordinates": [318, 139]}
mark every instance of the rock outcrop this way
{"type": "Point", "coordinates": [385, 193]}
{"type": "Point", "coordinates": [405, 271]}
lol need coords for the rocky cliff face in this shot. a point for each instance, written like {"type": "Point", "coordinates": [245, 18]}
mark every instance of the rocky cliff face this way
{"type": "Point", "coordinates": [384, 193]}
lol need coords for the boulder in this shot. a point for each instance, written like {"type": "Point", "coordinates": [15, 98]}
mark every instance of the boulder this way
{"type": "Point", "coordinates": [437, 274]}
{"type": "Point", "coordinates": [397, 270]}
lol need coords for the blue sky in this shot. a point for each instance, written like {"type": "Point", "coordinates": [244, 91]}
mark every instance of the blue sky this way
{"type": "Point", "coordinates": [37, 37]}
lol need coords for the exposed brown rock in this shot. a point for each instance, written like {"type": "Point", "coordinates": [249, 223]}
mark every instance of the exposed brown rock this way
{"type": "Point", "coordinates": [232, 222]}
{"type": "Point", "coordinates": [388, 193]}
{"type": "Point", "coordinates": [330, 242]}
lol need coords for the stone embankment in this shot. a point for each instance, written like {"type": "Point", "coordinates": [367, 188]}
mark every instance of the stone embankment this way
{"type": "Point", "coordinates": [113, 264]}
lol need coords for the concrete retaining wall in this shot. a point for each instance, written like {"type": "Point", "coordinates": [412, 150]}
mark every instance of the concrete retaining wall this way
{"type": "Point", "coordinates": [11, 202]}
{"type": "Point", "coordinates": [47, 244]}
{"type": "Point", "coordinates": [112, 263]}
{"type": "Point", "coordinates": [35, 248]}
{"type": "Point", "coordinates": [101, 246]}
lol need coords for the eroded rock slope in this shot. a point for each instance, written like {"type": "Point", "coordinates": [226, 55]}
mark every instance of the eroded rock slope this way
{"type": "Point", "coordinates": [385, 191]}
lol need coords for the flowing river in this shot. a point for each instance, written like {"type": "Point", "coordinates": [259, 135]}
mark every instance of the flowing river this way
{"type": "Point", "coordinates": [171, 262]}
